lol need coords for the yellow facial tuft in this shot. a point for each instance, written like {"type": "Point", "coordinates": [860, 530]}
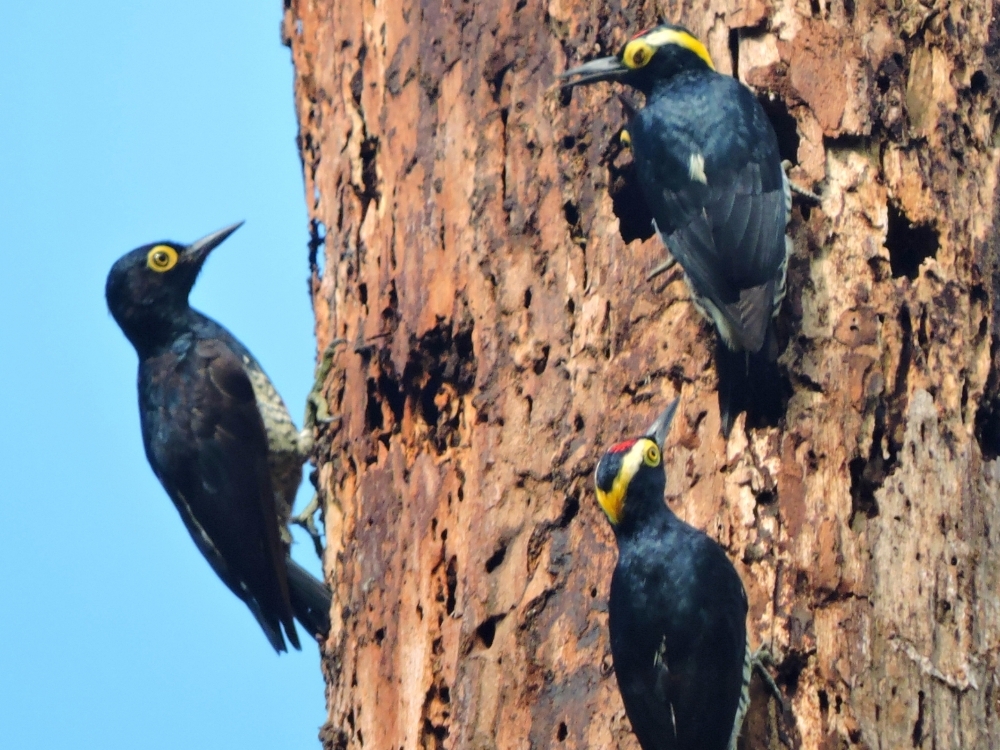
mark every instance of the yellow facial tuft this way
{"type": "Point", "coordinates": [638, 52]}
{"type": "Point", "coordinates": [626, 139]}
{"type": "Point", "coordinates": [161, 258]}
{"type": "Point", "coordinates": [644, 451]}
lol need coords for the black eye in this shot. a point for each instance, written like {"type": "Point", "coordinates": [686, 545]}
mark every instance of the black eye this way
{"type": "Point", "coordinates": [639, 57]}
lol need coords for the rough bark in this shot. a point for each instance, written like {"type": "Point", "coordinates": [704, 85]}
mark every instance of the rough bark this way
{"type": "Point", "coordinates": [478, 241]}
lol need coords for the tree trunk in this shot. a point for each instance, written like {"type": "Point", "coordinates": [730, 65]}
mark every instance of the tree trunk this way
{"type": "Point", "coordinates": [479, 243]}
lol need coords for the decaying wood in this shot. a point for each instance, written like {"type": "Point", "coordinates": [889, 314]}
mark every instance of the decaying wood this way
{"type": "Point", "coordinates": [479, 241]}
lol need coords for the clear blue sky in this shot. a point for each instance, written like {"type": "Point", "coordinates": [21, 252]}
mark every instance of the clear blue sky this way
{"type": "Point", "coordinates": [120, 124]}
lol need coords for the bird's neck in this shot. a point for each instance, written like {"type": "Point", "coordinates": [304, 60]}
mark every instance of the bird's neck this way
{"type": "Point", "coordinates": [654, 518]}
{"type": "Point", "coordinates": [152, 334]}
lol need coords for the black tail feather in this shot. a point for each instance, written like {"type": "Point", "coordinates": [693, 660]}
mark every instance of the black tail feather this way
{"type": "Point", "coordinates": [750, 382]}
{"type": "Point", "coordinates": [311, 599]}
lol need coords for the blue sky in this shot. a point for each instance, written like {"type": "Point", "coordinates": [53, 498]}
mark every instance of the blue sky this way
{"type": "Point", "coordinates": [125, 123]}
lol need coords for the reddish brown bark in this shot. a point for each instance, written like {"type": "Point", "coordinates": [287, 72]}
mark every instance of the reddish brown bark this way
{"type": "Point", "coordinates": [479, 244]}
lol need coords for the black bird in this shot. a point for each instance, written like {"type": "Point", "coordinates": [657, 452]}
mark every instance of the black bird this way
{"type": "Point", "coordinates": [217, 436]}
{"type": "Point", "coordinates": [707, 162]}
{"type": "Point", "coordinates": [677, 612]}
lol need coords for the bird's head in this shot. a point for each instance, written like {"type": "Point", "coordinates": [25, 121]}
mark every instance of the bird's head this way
{"type": "Point", "coordinates": [646, 58]}
{"type": "Point", "coordinates": [630, 477]}
{"type": "Point", "coordinates": [147, 289]}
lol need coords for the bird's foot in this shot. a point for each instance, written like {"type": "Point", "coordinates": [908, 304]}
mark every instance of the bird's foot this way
{"type": "Point", "coordinates": [307, 520]}
{"type": "Point", "coordinates": [760, 660]}
{"type": "Point", "coordinates": [798, 189]}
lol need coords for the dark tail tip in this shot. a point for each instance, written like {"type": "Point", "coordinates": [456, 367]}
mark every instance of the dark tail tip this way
{"type": "Point", "coordinates": [311, 599]}
{"type": "Point", "coordinates": [750, 382]}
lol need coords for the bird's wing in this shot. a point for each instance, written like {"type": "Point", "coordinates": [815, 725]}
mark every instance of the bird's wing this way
{"type": "Point", "coordinates": [729, 236]}
{"type": "Point", "coordinates": [207, 444]}
{"type": "Point", "coordinates": [706, 656]}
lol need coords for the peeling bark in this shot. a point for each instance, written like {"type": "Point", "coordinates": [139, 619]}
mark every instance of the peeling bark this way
{"type": "Point", "coordinates": [479, 241]}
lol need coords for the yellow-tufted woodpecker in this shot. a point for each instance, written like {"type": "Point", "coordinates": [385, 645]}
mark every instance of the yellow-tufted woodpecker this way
{"type": "Point", "coordinates": [707, 162]}
{"type": "Point", "coordinates": [217, 436]}
{"type": "Point", "coordinates": [677, 612]}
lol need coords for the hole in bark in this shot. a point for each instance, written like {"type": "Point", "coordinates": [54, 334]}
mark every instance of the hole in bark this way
{"type": "Point", "coordinates": [572, 213]}
{"type": "Point", "coordinates": [978, 83]}
{"type": "Point", "coordinates": [561, 732]}
{"type": "Point", "coordinates": [785, 127]}
{"type": "Point", "coordinates": [987, 428]}
{"type": "Point", "coordinates": [317, 239]}
{"type": "Point", "coordinates": [918, 725]}
{"type": "Point", "coordinates": [908, 244]}
{"type": "Point", "coordinates": [373, 408]}
{"type": "Point", "coordinates": [814, 7]}
{"type": "Point", "coordinates": [379, 636]}
{"type": "Point", "coordinates": [487, 630]}
{"type": "Point", "coordinates": [357, 85]}
{"type": "Point", "coordinates": [363, 293]}
{"type": "Point", "coordinates": [369, 175]}
{"type": "Point", "coordinates": [849, 8]}
{"type": "Point", "coordinates": [734, 51]}
{"type": "Point", "coordinates": [451, 576]}
{"type": "Point", "coordinates": [578, 423]}
{"type": "Point", "coordinates": [496, 559]}
{"type": "Point", "coordinates": [635, 221]}
{"type": "Point", "coordinates": [542, 361]}
{"type": "Point", "coordinates": [527, 298]}
{"type": "Point", "coordinates": [824, 703]}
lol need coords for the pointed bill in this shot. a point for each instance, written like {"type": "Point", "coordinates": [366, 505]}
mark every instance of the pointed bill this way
{"type": "Point", "coordinates": [660, 427]}
{"type": "Point", "coordinates": [197, 251]}
{"type": "Point", "coordinates": [601, 69]}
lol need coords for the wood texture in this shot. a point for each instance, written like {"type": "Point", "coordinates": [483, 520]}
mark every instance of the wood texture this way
{"type": "Point", "coordinates": [479, 242]}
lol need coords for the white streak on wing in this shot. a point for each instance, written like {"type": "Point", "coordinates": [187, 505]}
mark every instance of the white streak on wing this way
{"type": "Point", "coordinates": [696, 168]}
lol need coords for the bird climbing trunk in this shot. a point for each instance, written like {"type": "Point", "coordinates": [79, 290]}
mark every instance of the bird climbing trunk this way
{"type": "Point", "coordinates": [479, 241]}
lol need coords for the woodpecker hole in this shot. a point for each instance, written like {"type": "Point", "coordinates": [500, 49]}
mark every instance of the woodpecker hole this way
{"type": "Point", "coordinates": [561, 732]}
{"type": "Point", "coordinates": [908, 244]}
{"type": "Point", "coordinates": [635, 221]}
{"type": "Point", "coordinates": [497, 558]}
{"type": "Point", "coordinates": [369, 174]}
{"type": "Point", "coordinates": [978, 84]}
{"type": "Point", "coordinates": [785, 127]}
{"type": "Point", "coordinates": [317, 241]}
{"type": "Point", "coordinates": [487, 630]}
{"type": "Point", "coordinates": [918, 725]}
{"type": "Point", "coordinates": [987, 429]}
{"type": "Point", "coordinates": [379, 636]}
{"type": "Point", "coordinates": [734, 51]}
{"type": "Point", "coordinates": [451, 578]}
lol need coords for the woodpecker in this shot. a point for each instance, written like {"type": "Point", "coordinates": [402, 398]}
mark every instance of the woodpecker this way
{"type": "Point", "coordinates": [707, 162]}
{"type": "Point", "coordinates": [217, 435]}
{"type": "Point", "coordinates": [677, 612]}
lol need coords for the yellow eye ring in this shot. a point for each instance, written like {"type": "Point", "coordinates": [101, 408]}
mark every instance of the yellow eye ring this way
{"type": "Point", "coordinates": [637, 54]}
{"type": "Point", "coordinates": [161, 258]}
{"type": "Point", "coordinates": [651, 455]}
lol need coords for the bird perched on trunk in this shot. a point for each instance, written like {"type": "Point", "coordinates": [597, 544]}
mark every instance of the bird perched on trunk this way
{"type": "Point", "coordinates": [677, 612]}
{"type": "Point", "coordinates": [217, 436]}
{"type": "Point", "coordinates": [707, 162]}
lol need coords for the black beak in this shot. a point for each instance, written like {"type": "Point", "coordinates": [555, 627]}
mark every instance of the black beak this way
{"type": "Point", "coordinates": [198, 251]}
{"type": "Point", "coordinates": [661, 425]}
{"type": "Point", "coordinates": [601, 69]}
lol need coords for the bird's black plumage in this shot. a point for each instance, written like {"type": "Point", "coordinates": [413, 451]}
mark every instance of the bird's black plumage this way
{"type": "Point", "coordinates": [205, 435]}
{"type": "Point", "coordinates": [677, 612]}
{"type": "Point", "coordinates": [708, 165]}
